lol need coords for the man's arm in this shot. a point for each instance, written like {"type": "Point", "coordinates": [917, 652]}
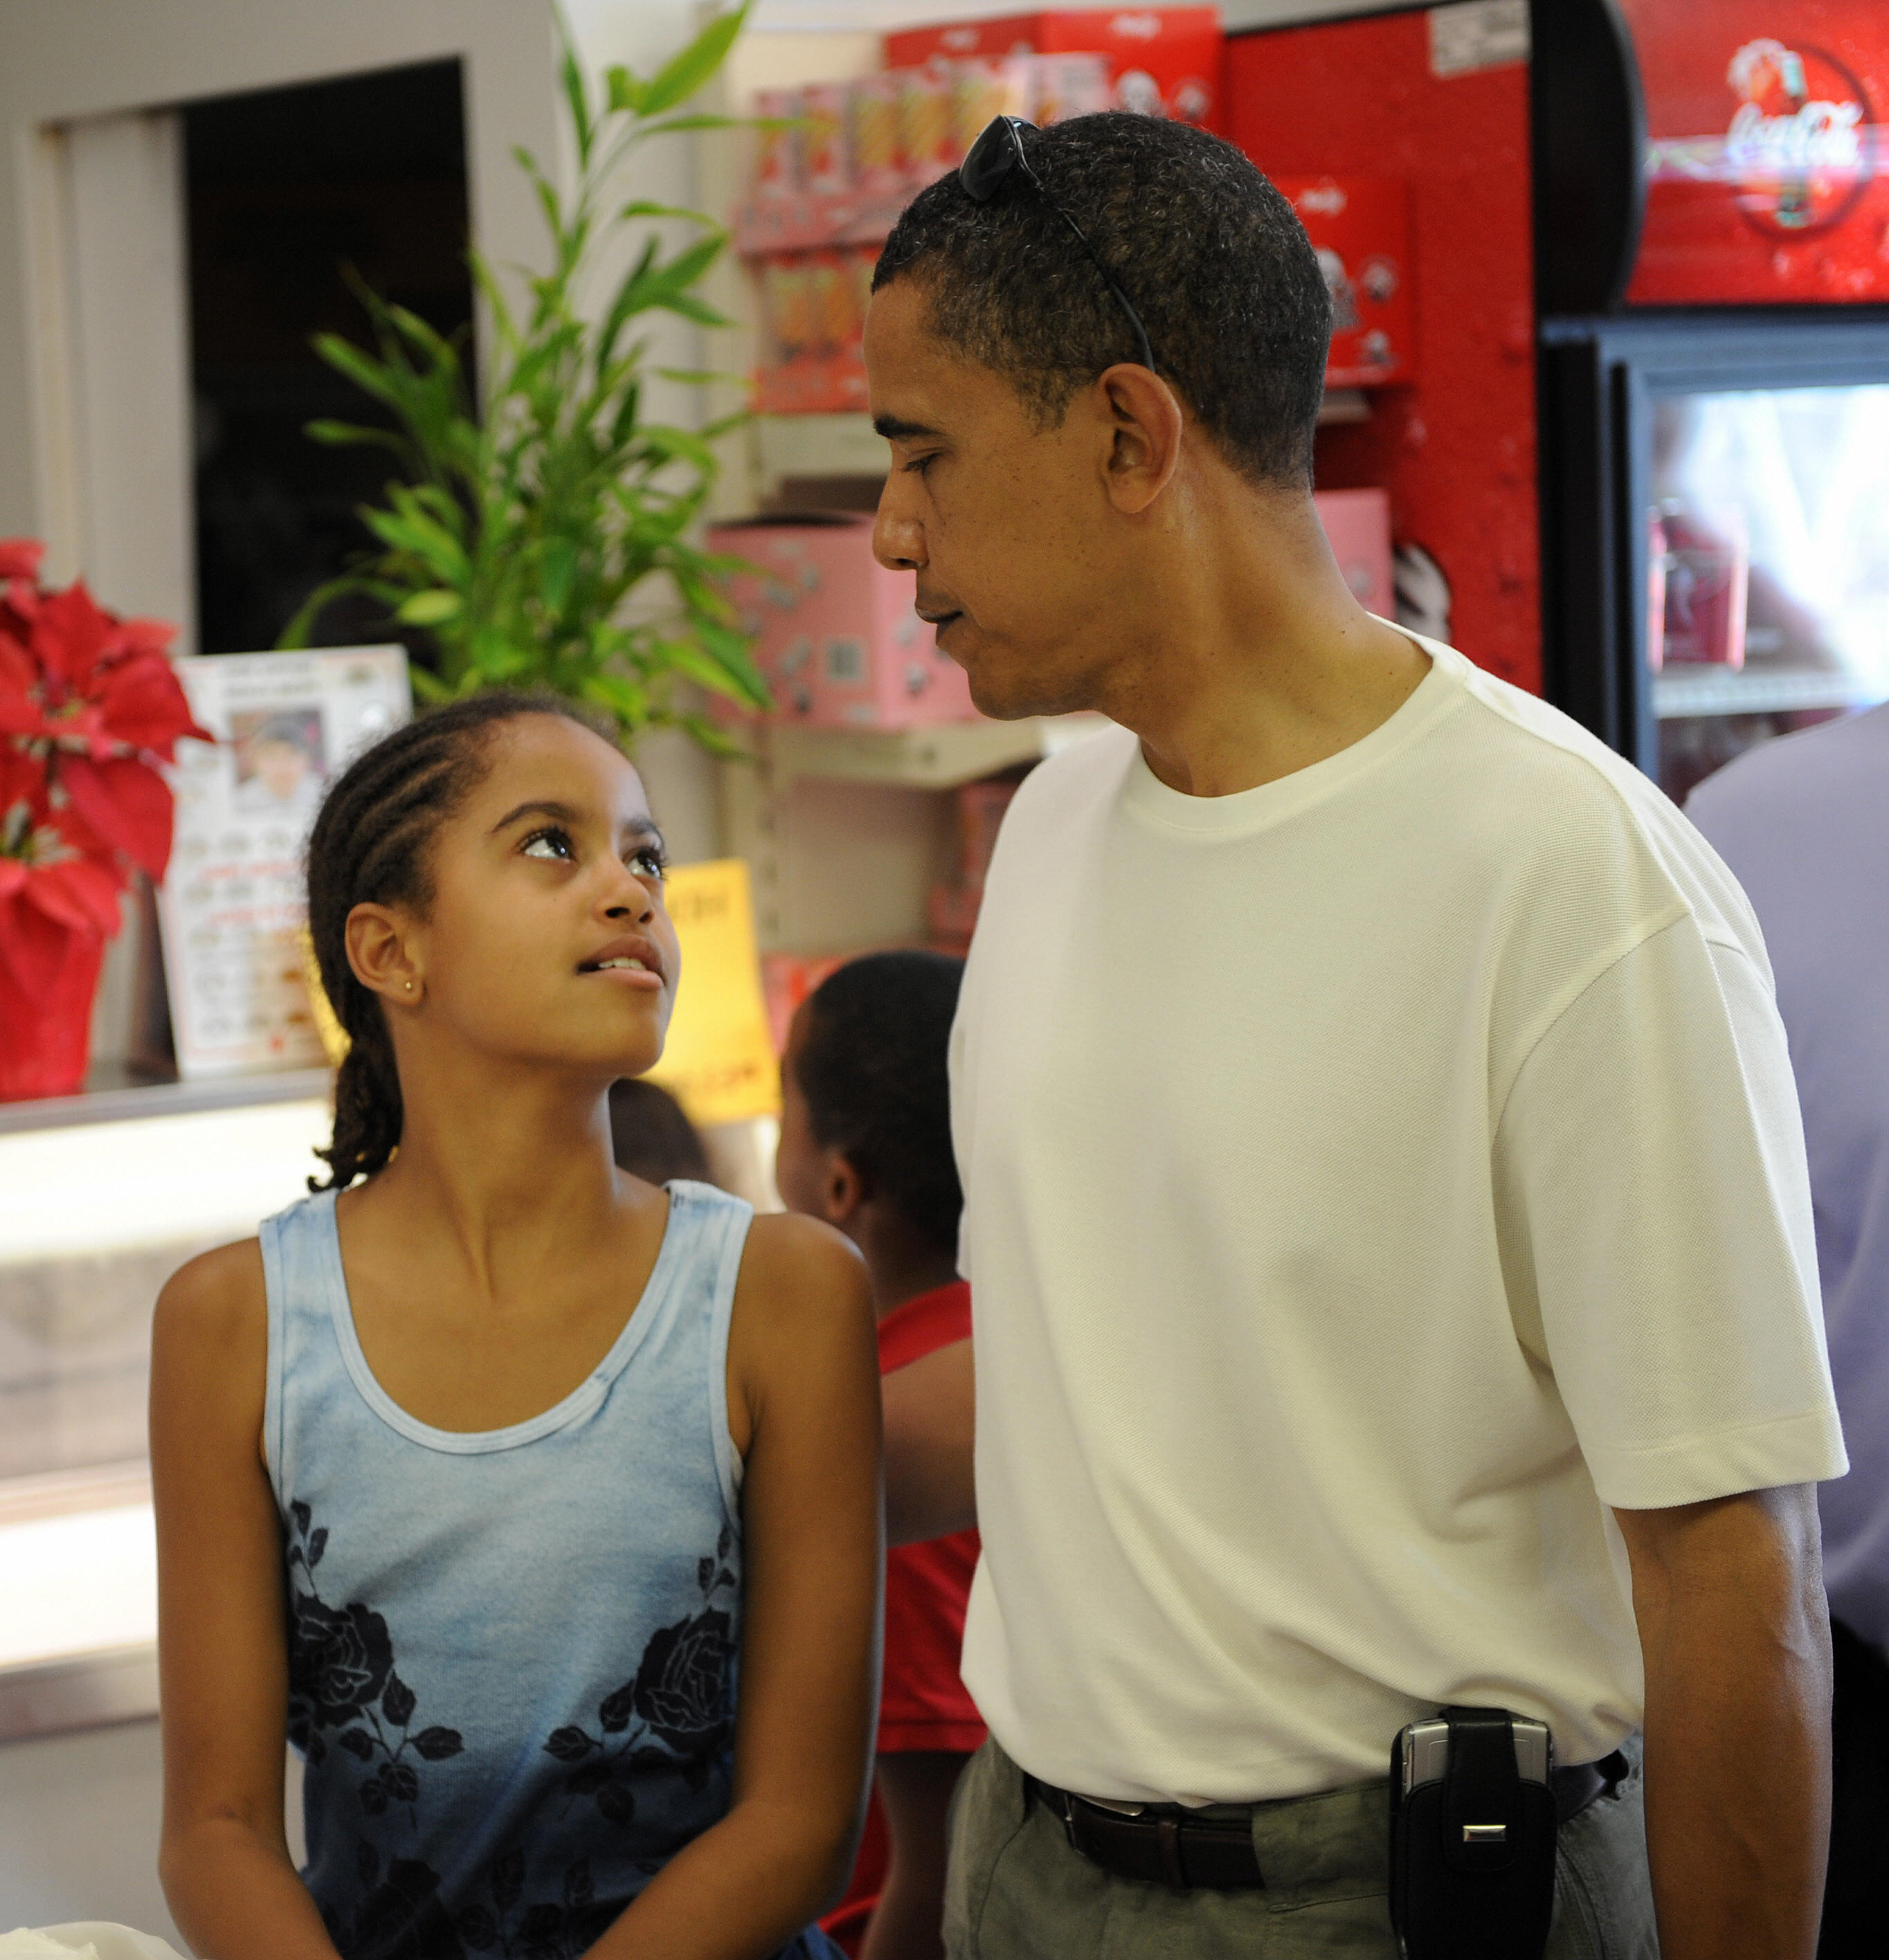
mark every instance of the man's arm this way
{"type": "Point", "coordinates": [1733, 1623]}
{"type": "Point", "coordinates": [931, 1408]}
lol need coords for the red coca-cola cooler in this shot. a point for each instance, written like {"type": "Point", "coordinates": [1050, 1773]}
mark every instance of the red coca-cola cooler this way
{"type": "Point", "coordinates": [1712, 198]}
{"type": "Point", "coordinates": [1640, 458]}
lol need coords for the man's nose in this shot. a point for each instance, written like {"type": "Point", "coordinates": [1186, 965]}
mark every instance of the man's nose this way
{"type": "Point", "coordinates": [898, 539]}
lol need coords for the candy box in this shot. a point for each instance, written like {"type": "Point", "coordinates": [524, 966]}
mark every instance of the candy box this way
{"type": "Point", "coordinates": [834, 631]}
{"type": "Point", "coordinates": [1162, 60]}
{"type": "Point", "coordinates": [1358, 526]}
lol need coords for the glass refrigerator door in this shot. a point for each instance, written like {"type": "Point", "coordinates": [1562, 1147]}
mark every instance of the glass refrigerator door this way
{"type": "Point", "coordinates": [1767, 598]}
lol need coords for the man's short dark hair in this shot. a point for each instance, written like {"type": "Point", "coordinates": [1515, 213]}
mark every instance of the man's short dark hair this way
{"type": "Point", "coordinates": [1213, 257]}
{"type": "Point", "coordinates": [872, 1067]}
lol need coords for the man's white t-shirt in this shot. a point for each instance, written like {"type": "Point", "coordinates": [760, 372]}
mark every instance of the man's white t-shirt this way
{"type": "Point", "coordinates": [1370, 1178]}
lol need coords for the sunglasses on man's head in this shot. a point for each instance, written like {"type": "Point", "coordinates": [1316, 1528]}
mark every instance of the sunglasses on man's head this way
{"type": "Point", "coordinates": [993, 160]}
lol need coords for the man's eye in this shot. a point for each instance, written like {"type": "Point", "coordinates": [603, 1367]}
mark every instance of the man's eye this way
{"type": "Point", "coordinates": [918, 465]}
{"type": "Point", "coordinates": [553, 844]}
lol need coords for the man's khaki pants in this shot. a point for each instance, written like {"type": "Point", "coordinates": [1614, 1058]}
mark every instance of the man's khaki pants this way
{"type": "Point", "coordinates": [1019, 1891]}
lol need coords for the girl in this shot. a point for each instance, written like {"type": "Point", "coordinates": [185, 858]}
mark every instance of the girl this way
{"type": "Point", "coordinates": [865, 1143]}
{"type": "Point", "coordinates": [482, 1479]}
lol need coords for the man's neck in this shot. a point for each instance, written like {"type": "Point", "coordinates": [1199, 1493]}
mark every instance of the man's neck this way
{"type": "Point", "coordinates": [1262, 663]}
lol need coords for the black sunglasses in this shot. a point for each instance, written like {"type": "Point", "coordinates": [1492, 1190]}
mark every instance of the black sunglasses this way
{"type": "Point", "coordinates": [992, 160]}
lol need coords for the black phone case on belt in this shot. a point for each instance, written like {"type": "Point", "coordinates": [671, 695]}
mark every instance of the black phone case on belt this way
{"type": "Point", "coordinates": [1472, 1850]}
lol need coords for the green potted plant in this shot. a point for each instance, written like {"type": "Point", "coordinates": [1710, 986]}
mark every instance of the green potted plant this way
{"type": "Point", "coordinates": [542, 535]}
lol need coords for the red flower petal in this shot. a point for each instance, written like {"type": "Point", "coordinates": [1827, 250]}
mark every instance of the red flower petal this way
{"type": "Point", "coordinates": [126, 802]}
{"type": "Point", "coordinates": [19, 557]}
{"type": "Point", "coordinates": [143, 705]}
{"type": "Point", "coordinates": [71, 632]}
{"type": "Point", "coordinates": [147, 636]}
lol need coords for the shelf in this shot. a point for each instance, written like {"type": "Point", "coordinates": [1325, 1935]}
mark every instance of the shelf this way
{"type": "Point", "coordinates": [845, 445]}
{"type": "Point", "coordinates": [1715, 690]}
{"type": "Point", "coordinates": [164, 1099]}
{"type": "Point", "coordinates": [841, 445]}
{"type": "Point", "coordinates": [938, 758]}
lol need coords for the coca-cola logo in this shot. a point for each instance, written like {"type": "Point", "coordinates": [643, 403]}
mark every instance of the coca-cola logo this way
{"type": "Point", "coordinates": [1801, 148]}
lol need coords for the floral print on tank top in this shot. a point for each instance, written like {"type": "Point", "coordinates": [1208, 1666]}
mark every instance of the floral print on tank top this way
{"type": "Point", "coordinates": [674, 1716]}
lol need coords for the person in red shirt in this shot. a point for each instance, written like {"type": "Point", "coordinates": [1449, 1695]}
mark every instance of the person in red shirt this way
{"type": "Point", "coordinates": [865, 1144]}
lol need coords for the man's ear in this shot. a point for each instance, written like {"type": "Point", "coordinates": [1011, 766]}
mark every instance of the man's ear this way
{"type": "Point", "coordinates": [1145, 416]}
{"type": "Point", "coordinates": [844, 1190]}
{"type": "Point", "coordinates": [378, 952]}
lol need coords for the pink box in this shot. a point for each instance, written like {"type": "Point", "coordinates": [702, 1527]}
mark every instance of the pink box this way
{"type": "Point", "coordinates": [834, 631]}
{"type": "Point", "coordinates": [1357, 523]}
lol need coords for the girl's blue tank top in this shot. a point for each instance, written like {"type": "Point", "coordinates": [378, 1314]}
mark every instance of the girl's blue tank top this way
{"type": "Point", "coordinates": [512, 1653]}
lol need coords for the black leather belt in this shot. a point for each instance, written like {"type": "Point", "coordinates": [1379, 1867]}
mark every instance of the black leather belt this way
{"type": "Point", "coordinates": [1169, 1844]}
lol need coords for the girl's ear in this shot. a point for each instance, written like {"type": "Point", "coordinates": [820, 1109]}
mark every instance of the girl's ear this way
{"type": "Point", "coordinates": [378, 953]}
{"type": "Point", "coordinates": [845, 1190]}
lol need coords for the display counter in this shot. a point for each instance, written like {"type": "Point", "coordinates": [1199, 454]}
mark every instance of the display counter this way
{"type": "Point", "coordinates": [105, 1197]}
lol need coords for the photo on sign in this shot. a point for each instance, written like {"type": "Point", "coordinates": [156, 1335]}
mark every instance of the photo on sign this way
{"type": "Point", "coordinates": [281, 760]}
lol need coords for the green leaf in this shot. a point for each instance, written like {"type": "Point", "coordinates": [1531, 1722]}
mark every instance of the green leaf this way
{"type": "Point", "coordinates": [675, 125]}
{"type": "Point", "coordinates": [624, 698]}
{"type": "Point", "coordinates": [430, 608]}
{"type": "Point", "coordinates": [695, 64]}
{"type": "Point", "coordinates": [576, 95]}
{"type": "Point", "coordinates": [626, 90]}
{"type": "Point", "coordinates": [641, 207]}
{"type": "Point", "coordinates": [294, 636]}
{"type": "Point", "coordinates": [428, 686]}
{"type": "Point", "coordinates": [718, 741]}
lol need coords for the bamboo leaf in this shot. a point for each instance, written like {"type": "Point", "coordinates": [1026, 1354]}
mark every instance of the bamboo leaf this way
{"type": "Point", "coordinates": [642, 208]}
{"type": "Point", "coordinates": [718, 741]}
{"type": "Point", "coordinates": [626, 90]}
{"type": "Point", "coordinates": [695, 64]}
{"type": "Point", "coordinates": [432, 608]}
{"type": "Point", "coordinates": [294, 636]}
{"type": "Point", "coordinates": [575, 95]}
{"type": "Point", "coordinates": [675, 125]}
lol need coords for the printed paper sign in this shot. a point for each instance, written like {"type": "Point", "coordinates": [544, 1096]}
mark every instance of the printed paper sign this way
{"type": "Point", "coordinates": [232, 908]}
{"type": "Point", "coordinates": [718, 1062]}
{"type": "Point", "coordinates": [1477, 34]}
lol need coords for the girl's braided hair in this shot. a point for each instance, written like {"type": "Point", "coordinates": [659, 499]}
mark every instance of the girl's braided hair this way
{"type": "Point", "coordinates": [369, 846]}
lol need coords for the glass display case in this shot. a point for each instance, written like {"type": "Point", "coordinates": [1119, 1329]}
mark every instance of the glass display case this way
{"type": "Point", "coordinates": [1767, 567]}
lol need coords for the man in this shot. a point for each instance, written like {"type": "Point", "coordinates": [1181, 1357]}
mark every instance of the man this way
{"type": "Point", "coordinates": [1385, 1197]}
{"type": "Point", "coordinates": [1804, 823]}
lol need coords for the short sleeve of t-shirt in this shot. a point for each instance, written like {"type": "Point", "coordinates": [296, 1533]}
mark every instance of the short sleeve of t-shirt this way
{"type": "Point", "coordinates": [1654, 1216]}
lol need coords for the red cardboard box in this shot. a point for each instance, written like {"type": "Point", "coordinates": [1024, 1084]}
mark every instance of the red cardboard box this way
{"type": "Point", "coordinates": [834, 631]}
{"type": "Point", "coordinates": [1360, 228]}
{"type": "Point", "coordinates": [1163, 61]}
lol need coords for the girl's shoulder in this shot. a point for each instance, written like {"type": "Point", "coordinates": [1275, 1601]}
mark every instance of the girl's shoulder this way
{"type": "Point", "coordinates": [209, 1335]}
{"type": "Point", "coordinates": [794, 1265]}
{"type": "Point", "coordinates": [802, 1315]}
{"type": "Point", "coordinates": [218, 1296]}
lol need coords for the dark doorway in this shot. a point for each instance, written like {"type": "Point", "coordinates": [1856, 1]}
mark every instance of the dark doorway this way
{"type": "Point", "coordinates": [289, 189]}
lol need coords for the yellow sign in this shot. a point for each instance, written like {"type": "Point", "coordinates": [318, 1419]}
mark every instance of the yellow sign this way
{"type": "Point", "coordinates": [718, 1062]}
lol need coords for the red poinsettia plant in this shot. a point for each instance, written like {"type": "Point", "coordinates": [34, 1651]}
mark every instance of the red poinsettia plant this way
{"type": "Point", "coordinates": [89, 707]}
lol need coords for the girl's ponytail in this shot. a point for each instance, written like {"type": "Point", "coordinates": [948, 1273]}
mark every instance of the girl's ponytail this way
{"type": "Point", "coordinates": [369, 846]}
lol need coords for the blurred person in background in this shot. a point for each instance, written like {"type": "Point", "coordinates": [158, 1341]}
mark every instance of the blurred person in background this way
{"type": "Point", "coordinates": [1385, 1200]}
{"type": "Point", "coordinates": [866, 1145]}
{"type": "Point", "coordinates": [650, 1135]}
{"type": "Point", "coordinates": [1804, 821]}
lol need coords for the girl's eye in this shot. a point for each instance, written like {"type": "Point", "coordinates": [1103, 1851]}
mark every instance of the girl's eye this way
{"type": "Point", "coordinates": [552, 844]}
{"type": "Point", "coordinates": [650, 863]}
